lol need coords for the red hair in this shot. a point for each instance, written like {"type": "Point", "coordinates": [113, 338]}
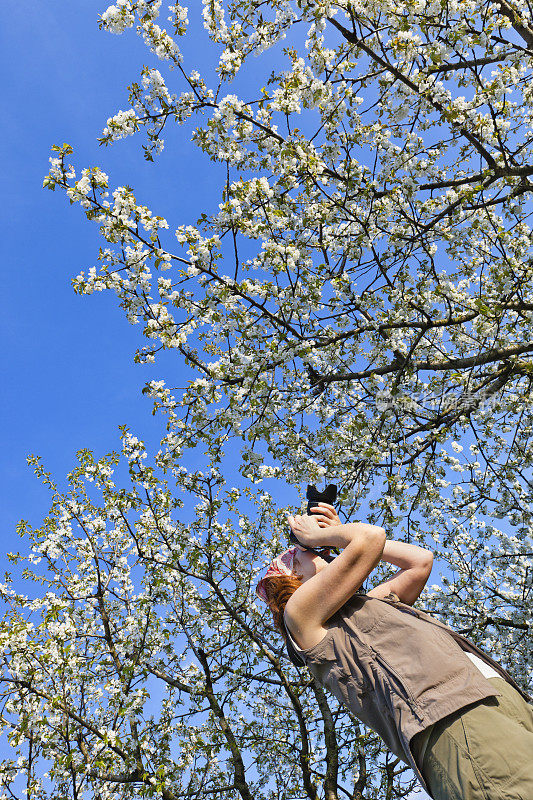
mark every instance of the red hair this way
{"type": "Point", "coordinates": [279, 588]}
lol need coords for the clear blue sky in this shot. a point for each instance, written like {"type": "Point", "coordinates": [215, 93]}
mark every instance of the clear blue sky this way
{"type": "Point", "coordinates": [69, 377]}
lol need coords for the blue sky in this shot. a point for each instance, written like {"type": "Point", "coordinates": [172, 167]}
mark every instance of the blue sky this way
{"type": "Point", "coordinates": [69, 376]}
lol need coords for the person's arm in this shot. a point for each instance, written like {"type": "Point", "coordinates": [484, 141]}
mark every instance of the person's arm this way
{"type": "Point", "coordinates": [415, 562]}
{"type": "Point", "coordinates": [415, 567]}
{"type": "Point", "coordinates": [319, 597]}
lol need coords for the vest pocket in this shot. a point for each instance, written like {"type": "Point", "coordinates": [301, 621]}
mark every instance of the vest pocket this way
{"type": "Point", "coordinates": [404, 690]}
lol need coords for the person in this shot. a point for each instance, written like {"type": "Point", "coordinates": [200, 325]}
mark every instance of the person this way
{"type": "Point", "coordinates": [439, 702]}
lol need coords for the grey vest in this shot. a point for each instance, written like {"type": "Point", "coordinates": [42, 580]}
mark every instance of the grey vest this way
{"type": "Point", "coordinates": [397, 669]}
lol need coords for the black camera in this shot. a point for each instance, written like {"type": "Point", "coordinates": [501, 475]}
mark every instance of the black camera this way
{"type": "Point", "coordinates": [329, 495]}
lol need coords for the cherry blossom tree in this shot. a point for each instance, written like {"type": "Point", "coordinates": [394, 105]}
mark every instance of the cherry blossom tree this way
{"type": "Point", "coordinates": [356, 304]}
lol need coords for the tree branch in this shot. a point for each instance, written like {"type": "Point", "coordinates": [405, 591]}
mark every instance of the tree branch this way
{"type": "Point", "coordinates": [238, 765]}
{"type": "Point", "coordinates": [332, 747]}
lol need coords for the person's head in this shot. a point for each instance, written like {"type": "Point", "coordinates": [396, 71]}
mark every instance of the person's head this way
{"type": "Point", "coordinates": [284, 575]}
{"type": "Point", "coordinates": [306, 563]}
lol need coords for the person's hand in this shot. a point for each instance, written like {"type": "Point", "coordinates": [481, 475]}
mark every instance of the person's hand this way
{"type": "Point", "coordinates": [325, 515]}
{"type": "Point", "coordinates": [307, 530]}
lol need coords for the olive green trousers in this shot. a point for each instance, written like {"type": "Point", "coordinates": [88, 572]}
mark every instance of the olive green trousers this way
{"type": "Point", "coordinates": [484, 752]}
